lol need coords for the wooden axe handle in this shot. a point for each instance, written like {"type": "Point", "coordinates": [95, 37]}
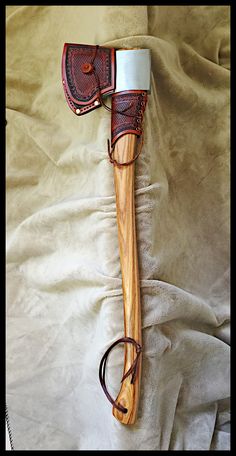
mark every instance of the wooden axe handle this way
{"type": "Point", "coordinates": [125, 205]}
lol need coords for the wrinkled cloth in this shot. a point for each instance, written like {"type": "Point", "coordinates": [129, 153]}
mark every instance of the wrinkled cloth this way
{"type": "Point", "coordinates": [64, 284]}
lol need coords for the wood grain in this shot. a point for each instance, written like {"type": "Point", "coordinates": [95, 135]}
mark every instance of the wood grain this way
{"type": "Point", "coordinates": [125, 205]}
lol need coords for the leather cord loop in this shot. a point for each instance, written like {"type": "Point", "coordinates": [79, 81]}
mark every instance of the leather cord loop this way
{"type": "Point", "coordinates": [132, 370]}
{"type": "Point", "coordinates": [115, 162]}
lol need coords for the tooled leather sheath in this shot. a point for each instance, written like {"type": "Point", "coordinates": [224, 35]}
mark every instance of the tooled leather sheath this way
{"type": "Point", "coordinates": [82, 66]}
{"type": "Point", "coordinates": [88, 74]}
{"type": "Point", "coordinates": [127, 113]}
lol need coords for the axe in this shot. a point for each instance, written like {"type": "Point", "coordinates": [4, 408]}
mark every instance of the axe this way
{"type": "Point", "coordinates": [90, 74]}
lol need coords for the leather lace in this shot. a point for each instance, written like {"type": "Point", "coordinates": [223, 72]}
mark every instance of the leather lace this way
{"type": "Point", "coordinates": [132, 370]}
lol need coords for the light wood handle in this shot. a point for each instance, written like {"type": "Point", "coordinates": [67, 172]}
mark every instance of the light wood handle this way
{"type": "Point", "coordinates": [125, 206]}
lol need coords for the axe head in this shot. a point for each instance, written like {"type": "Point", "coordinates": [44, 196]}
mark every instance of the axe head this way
{"type": "Point", "coordinates": [133, 69]}
{"type": "Point", "coordinates": [89, 72]}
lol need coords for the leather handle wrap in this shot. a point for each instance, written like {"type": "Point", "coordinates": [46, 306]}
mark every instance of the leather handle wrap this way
{"type": "Point", "coordinates": [127, 113]}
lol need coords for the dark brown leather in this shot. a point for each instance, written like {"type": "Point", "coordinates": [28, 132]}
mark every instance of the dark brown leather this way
{"type": "Point", "coordinates": [88, 73]}
{"type": "Point", "coordinates": [132, 370]}
{"type": "Point", "coordinates": [127, 113]}
{"type": "Point", "coordinates": [83, 66]}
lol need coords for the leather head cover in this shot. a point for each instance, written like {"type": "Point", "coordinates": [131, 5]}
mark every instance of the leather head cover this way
{"type": "Point", "coordinates": [82, 67]}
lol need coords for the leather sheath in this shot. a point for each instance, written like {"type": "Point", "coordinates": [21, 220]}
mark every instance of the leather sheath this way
{"type": "Point", "coordinates": [127, 113]}
{"type": "Point", "coordinates": [88, 72]}
{"type": "Point", "coordinates": [78, 75]}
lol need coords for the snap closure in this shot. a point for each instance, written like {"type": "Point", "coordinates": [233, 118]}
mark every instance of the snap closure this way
{"type": "Point", "coordinates": [87, 68]}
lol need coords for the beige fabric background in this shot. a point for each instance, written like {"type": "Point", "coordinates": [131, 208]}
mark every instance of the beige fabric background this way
{"type": "Point", "coordinates": [64, 294]}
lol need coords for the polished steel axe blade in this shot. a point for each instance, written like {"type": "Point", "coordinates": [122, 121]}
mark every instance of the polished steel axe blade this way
{"type": "Point", "coordinates": [133, 69]}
